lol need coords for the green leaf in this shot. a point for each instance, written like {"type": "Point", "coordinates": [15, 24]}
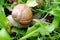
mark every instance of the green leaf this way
{"type": "Point", "coordinates": [4, 35]}
{"type": "Point", "coordinates": [31, 3]}
{"type": "Point", "coordinates": [2, 17]}
{"type": "Point", "coordinates": [8, 6]}
{"type": "Point", "coordinates": [46, 29]}
{"type": "Point", "coordinates": [47, 4]}
{"type": "Point", "coordinates": [30, 29]}
{"type": "Point", "coordinates": [31, 32]}
{"type": "Point", "coordinates": [2, 2]}
{"type": "Point", "coordinates": [19, 1]}
{"type": "Point", "coordinates": [55, 12]}
{"type": "Point", "coordinates": [2, 14]}
{"type": "Point", "coordinates": [18, 32]}
{"type": "Point", "coordinates": [33, 28]}
{"type": "Point", "coordinates": [54, 24]}
{"type": "Point", "coordinates": [40, 38]}
{"type": "Point", "coordinates": [29, 35]}
{"type": "Point", "coordinates": [35, 31]}
{"type": "Point", "coordinates": [33, 38]}
{"type": "Point", "coordinates": [43, 29]}
{"type": "Point", "coordinates": [3, 20]}
{"type": "Point", "coordinates": [57, 0]}
{"type": "Point", "coordinates": [24, 1]}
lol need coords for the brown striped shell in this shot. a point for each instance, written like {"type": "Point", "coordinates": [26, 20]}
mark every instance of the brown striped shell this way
{"type": "Point", "coordinates": [22, 14]}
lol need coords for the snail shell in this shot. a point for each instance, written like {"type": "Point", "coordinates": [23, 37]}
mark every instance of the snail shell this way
{"type": "Point", "coordinates": [22, 14]}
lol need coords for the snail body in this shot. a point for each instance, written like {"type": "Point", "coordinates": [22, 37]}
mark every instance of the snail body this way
{"type": "Point", "coordinates": [22, 14]}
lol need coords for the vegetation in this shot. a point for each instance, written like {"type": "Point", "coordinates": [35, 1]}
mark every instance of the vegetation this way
{"type": "Point", "coordinates": [45, 24]}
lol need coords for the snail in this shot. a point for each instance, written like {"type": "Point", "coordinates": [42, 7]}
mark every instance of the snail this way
{"type": "Point", "coordinates": [22, 14]}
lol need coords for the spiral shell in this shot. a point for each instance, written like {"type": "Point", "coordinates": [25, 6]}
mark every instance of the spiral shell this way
{"type": "Point", "coordinates": [22, 14]}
